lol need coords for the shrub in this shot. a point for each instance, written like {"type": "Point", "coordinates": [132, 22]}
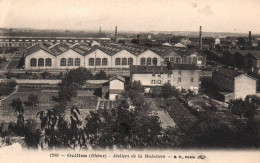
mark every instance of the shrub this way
{"type": "Point", "coordinates": [33, 99]}
{"type": "Point", "coordinates": [32, 134]}
{"type": "Point", "coordinates": [101, 75]}
{"type": "Point", "coordinates": [167, 91]}
{"type": "Point", "coordinates": [7, 87]}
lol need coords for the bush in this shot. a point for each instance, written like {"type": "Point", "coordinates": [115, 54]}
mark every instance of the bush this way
{"type": "Point", "coordinates": [32, 134]}
{"type": "Point", "coordinates": [45, 74]}
{"type": "Point", "coordinates": [33, 99]}
{"type": "Point", "coordinates": [101, 75]}
{"type": "Point", "coordinates": [156, 92]}
{"type": "Point", "coordinates": [167, 91]}
{"type": "Point", "coordinates": [7, 87]}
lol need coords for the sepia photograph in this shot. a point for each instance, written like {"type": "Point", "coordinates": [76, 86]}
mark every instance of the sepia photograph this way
{"type": "Point", "coordinates": [130, 80]}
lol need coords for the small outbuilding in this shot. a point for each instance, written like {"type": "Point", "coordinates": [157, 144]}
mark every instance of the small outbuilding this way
{"type": "Point", "coordinates": [116, 87]}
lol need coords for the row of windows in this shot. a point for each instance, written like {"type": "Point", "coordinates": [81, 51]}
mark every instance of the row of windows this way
{"type": "Point", "coordinates": [178, 60]}
{"type": "Point", "coordinates": [33, 62]}
{"type": "Point", "coordinates": [193, 60]}
{"type": "Point", "coordinates": [98, 62]}
{"type": "Point", "coordinates": [48, 62]}
{"type": "Point", "coordinates": [124, 61]}
{"type": "Point", "coordinates": [14, 44]}
{"type": "Point", "coordinates": [159, 75]}
{"type": "Point", "coordinates": [172, 59]}
{"type": "Point", "coordinates": [149, 61]}
{"type": "Point", "coordinates": [169, 81]}
{"type": "Point", "coordinates": [92, 61]}
{"type": "Point", "coordinates": [71, 62]}
{"type": "Point", "coordinates": [169, 75]}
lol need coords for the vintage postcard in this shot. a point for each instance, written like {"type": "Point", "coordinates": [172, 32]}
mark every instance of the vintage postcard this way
{"type": "Point", "coordinates": [120, 80]}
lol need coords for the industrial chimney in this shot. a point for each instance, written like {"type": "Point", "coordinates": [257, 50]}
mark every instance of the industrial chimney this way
{"type": "Point", "coordinates": [200, 37]}
{"type": "Point", "coordinates": [138, 39]}
{"type": "Point", "coordinates": [115, 33]}
{"type": "Point", "coordinates": [249, 38]}
{"type": "Point", "coordinates": [100, 32]}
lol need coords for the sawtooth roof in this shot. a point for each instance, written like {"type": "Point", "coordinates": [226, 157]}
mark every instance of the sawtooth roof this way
{"type": "Point", "coordinates": [37, 47]}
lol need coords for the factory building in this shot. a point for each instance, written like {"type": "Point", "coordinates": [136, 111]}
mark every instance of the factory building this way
{"type": "Point", "coordinates": [69, 56]}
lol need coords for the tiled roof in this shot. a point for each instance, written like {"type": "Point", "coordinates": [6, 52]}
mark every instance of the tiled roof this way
{"type": "Point", "coordinates": [230, 51]}
{"type": "Point", "coordinates": [198, 51]}
{"type": "Point", "coordinates": [228, 72]}
{"type": "Point", "coordinates": [136, 50]}
{"type": "Point", "coordinates": [174, 51]}
{"type": "Point", "coordinates": [255, 53]}
{"type": "Point", "coordinates": [148, 69]}
{"type": "Point", "coordinates": [210, 52]}
{"type": "Point", "coordinates": [244, 52]}
{"type": "Point", "coordinates": [110, 49]}
{"type": "Point", "coordinates": [160, 50]}
{"type": "Point", "coordinates": [115, 91]}
{"type": "Point", "coordinates": [117, 77]}
{"type": "Point", "coordinates": [59, 48]}
{"type": "Point", "coordinates": [183, 67]}
{"type": "Point", "coordinates": [37, 47]}
{"type": "Point", "coordinates": [161, 69]}
{"type": "Point", "coordinates": [83, 49]}
{"type": "Point", "coordinates": [179, 45]}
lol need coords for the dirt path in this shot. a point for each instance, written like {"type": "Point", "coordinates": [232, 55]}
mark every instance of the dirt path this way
{"type": "Point", "coordinates": [10, 60]}
{"type": "Point", "coordinates": [166, 120]}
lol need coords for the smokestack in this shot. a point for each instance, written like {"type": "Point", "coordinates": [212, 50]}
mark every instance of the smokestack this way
{"type": "Point", "coordinates": [249, 38]}
{"type": "Point", "coordinates": [200, 37]}
{"type": "Point", "coordinates": [115, 33]}
{"type": "Point", "coordinates": [100, 30]}
{"type": "Point", "coordinates": [138, 39]}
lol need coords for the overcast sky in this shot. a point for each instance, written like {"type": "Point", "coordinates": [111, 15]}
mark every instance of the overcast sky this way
{"type": "Point", "coordinates": [136, 15]}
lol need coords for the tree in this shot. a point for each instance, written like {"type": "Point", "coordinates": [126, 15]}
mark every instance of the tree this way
{"type": "Point", "coordinates": [7, 87]}
{"type": "Point", "coordinates": [156, 92]}
{"type": "Point", "coordinates": [78, 76]}
{"type": "Point", "coordinates": [66, 91]}
{"type": "Point", "coordinates": [67, 88]}
{"type": "Point", "coordinates": [167, 91]}
{"type": "Point", "coordinates": [135, 86]}
{"type": "Point", "coordinates": [93, 123]}
{"type": "Point", "coordinates": [32, 134]}
{"type": "Point", "coordinates": [237, 107]}
{"type": "Point", "coordinates": [60, 133]}
{"type": "Point", "coordinates": [101, 75]}
{"type": "Point", "coordinates": [33, 99]}
{"type": "Point", "coordinates": [245, 108]}
{"type": "Point", "coordinates": [17, 106]}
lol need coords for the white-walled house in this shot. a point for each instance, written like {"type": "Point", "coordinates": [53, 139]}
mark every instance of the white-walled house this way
{"type": "Point", "coordinates": [182, 76]}
{"type": "Point", "coordinates": [116, 87]}
{"type": "Point", "coordinates": [233, 84]}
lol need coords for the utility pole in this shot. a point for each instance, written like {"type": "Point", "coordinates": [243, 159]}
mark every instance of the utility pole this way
{"type": "Point", "coordinates": [95, 59]}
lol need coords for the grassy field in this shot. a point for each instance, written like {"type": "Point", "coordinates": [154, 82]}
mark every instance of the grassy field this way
{"type": "Point", "coordinates": [84, 101]}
